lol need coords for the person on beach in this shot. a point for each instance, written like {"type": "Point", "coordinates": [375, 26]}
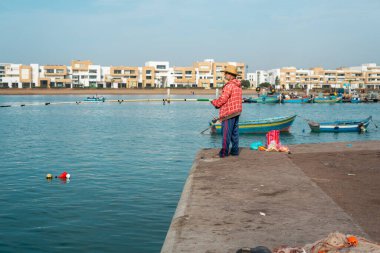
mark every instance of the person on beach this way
{"type": "Point", "coordinates": [230, 106]}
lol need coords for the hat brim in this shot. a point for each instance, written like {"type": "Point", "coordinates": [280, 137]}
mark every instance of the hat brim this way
{"type": "Point", "coordinates": [225, 71]}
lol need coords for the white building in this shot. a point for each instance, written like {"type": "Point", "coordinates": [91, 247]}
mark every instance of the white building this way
{"type": "Point", "coordinates": [162, 73]}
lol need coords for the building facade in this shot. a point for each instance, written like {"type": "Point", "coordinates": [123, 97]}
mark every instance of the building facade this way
{"type": "Point", "coordinates": [159, 74]}
{"type": "Point", "coordinates": [366, 76]}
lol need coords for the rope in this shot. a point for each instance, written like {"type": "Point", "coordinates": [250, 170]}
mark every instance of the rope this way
{"type": "Point", "coordinates": [374, 123]}
{"type": "Point", "coordinates": [308, 120]}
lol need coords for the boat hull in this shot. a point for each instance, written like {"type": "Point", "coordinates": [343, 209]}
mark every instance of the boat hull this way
{"type": "Point", "coordinates": [342, 126]}
{"type": "Point", "coordinates": [326, 100]}
{"type": "Point", "coordinates": [282, 124]}
{"type": "Point", "coordinates": [296, 100]}
{"type": "Point", "coordinates": [94, 99]}
{"type": "Point", "coordinates": [263, 100]}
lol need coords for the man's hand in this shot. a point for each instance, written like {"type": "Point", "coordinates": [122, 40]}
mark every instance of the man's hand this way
{"type": "Point", "coordinates": [214, 105]}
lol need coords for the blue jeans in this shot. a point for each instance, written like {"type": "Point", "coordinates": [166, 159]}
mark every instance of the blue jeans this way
{"type": "Point", "coordinates": [230, 132]}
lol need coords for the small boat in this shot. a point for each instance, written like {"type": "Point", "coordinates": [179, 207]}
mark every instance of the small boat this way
{"type": "Point", "coordinates": [331, 99]}
{"type": "Point", "coordinates": [340, 126]}
{"type": "Point", "coordinates": [95, 99]}
{"type": "Point", "coordinates": [259, 125]}
{"type": "Point", "coordinates": [263, 100]}
{"type": "Point", "coordinates": [355, 100]}
{"type": "Point", "coordinates": [296, 100]}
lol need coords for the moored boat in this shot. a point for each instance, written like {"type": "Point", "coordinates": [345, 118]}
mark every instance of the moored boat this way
{"type": "Point", "coordinates": [94, 99]}
{"type": "Point", "coordinates": [327, 100]}
{"type": "Point", "coordinates": [355, 100]}
{"type": "Point", "coordinates": [296, 100]}
{"type": "Point", "coordinates": [263, 100]}
{"type": "Point", "coordinates": [260, 125]}
{"type": "Point", "coordinates": [339, 126]}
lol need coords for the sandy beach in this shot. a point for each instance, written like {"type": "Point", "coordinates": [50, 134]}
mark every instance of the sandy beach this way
{"type": "Point", "coordinates": [63, 91]}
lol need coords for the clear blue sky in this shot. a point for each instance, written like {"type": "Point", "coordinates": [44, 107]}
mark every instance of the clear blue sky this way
{"type": "Point", "coordinates": [264, 34]}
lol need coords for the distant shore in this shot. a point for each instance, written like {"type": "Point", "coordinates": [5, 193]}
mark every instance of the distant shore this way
{"type": "Point", "coordinates": [63, 91]}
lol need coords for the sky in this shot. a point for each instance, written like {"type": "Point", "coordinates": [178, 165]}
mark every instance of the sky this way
{"type": "Point", "coordinates": [263, 34]}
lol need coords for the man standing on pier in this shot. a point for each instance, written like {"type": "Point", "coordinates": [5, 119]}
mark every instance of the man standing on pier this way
{"type": "Point", "coordinates": [230, 107]}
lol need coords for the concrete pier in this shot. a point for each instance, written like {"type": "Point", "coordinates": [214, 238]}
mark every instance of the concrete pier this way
{"type": "Point", "coordinates": [273, 199]}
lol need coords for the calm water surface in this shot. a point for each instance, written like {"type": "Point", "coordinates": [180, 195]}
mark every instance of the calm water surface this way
{"type": "Point", "coordinates": [128, 164]}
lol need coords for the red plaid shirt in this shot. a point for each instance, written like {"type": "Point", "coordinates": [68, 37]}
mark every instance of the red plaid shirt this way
{"type": "Point", "coordinates": [230, 102]}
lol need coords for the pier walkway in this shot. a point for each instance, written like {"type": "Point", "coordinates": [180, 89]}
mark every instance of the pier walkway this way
{"type": "Point", "coordinates": [273, 199]}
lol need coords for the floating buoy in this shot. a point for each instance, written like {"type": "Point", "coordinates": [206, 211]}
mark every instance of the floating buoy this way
{"type": "Point", "coordinates": [64, 175]}
{"type": "Point", "coordinates": [49, 176]}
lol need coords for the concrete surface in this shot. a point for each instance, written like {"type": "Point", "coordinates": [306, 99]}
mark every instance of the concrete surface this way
{"type": "Point", "coordinates": [265, 198]}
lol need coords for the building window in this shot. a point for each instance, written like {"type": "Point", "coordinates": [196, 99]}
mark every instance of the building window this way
{"type": "Point", "coordinates": [50, 71]}
{"type": "Point", "coordinates": [93, 71]}
{"type": "Point", "coordinates": [161, 67]}
{"type": "Point", "coordinates": [116, 72]}
{"type": "Point", "coordinates": [188, 72]}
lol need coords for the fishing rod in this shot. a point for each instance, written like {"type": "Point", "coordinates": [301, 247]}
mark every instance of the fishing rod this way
{"type": "Point", "coordinates": [213, 121]}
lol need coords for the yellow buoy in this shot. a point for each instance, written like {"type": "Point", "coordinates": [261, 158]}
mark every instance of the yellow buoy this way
{"type": "Point", "coordinates": [49, 176]}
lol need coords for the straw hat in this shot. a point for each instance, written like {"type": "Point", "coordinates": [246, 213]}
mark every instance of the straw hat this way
{"type": "Point", "coordinates": [230, 69]}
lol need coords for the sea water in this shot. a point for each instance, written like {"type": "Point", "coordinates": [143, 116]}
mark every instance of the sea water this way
{"type": "Point", "coordinates": [128, 164]}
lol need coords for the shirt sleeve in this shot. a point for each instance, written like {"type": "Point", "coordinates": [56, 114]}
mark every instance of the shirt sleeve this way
{"type": "Point", "coordinates": [223, 98]}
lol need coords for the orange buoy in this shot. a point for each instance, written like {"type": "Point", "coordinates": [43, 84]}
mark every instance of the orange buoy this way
{"type": "Point", "coordinates": [352, 240]}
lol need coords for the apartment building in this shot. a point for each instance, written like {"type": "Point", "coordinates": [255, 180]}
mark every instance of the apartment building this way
{"type": "Point", "coordinates": [158, 74]}
{"type": "Point", "coordinates": [84, 74]}
{"type": "Point", "coordinates": [161, 74]}
{"type": "Point", "coordinates": [365, 76]}
{"type": "Point", "coordinates": [148, 77]}
{"type": "Point", "coordinates": [183, 77]}
{"type": "Point", "coordinates": [54, 76]}
{"type": "Point", "coordinates": [123, 77]}
{"type": "Point", "coordinates": [205, 76]}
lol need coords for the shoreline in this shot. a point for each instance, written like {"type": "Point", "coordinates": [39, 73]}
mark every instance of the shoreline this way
{"type": "Point", "coordinates": [69, 91]}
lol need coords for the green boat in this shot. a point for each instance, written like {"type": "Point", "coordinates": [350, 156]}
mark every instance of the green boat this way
{"type": "Point", "coordinates": [259, 125]}
{"type": "Point", "coordinates": [328, 99]}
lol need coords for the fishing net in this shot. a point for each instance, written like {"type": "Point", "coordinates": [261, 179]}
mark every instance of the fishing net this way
{"type": "Point", "coordinates": [334, 243]}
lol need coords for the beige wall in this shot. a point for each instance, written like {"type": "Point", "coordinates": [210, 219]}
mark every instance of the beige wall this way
{"type": "Point", "coordinates": [321, 77]}
{"type": "Point", "coordinates": [287, 76]}
{"type": "Point", "coordinates": [25, 74]}
{"type": "Point", "coordinates": [148, 72]}
{"type": "Point", "coordinates": [58, 70]}
{"type": "Point", "coordinates": [80, 65]}
{"type": "Point", "coordinates": [131, 74]}
{"type": "Point", "coordinates": [187, 75]}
